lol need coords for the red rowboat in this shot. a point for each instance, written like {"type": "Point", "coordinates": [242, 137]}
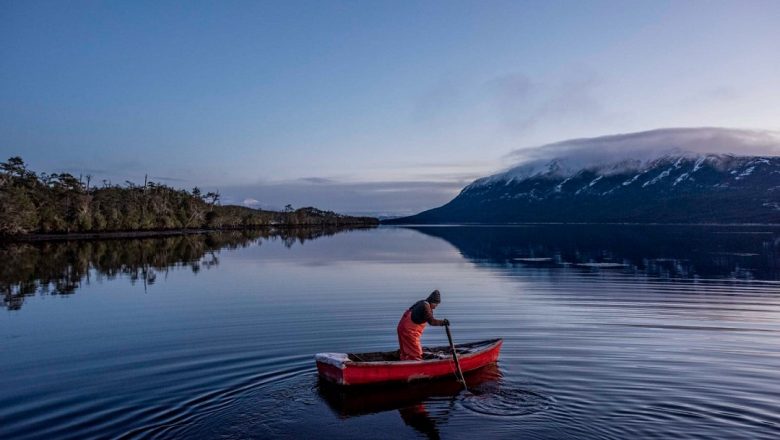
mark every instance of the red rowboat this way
{"type": "Point", "coordinates": [380, 367]}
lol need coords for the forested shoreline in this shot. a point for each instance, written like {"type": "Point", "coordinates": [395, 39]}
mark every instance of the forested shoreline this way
{"type": "Point", "coordinates": [43, 204]}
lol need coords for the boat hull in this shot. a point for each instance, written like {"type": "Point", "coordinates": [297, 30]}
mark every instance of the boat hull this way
{"type": "Point", "coordinates": [339, 369]}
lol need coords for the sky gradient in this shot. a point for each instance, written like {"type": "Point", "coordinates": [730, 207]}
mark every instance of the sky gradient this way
{"type": "Point", "coordinates": [365, 107]}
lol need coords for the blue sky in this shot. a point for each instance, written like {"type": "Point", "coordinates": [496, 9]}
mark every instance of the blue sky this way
{"type": "Point", "coordinates": [365, 106]}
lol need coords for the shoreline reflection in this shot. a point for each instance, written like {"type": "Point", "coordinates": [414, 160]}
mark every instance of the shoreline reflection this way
{"type": "Point", "coordinates": [61, 267]}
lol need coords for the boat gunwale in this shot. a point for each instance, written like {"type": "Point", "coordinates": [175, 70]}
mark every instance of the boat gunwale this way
{"type": "Point", "coordinates": [489, 344]}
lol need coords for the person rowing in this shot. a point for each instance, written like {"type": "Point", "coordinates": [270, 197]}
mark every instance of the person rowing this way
{"type": "Point", "coordinates": [412, 324]}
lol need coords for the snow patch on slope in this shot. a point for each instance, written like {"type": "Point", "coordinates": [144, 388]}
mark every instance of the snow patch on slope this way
{"type": "Point", "coordinates": [658, 178]}
{"type": "Point", "coordinates": [632, 180]}
{"type": "Point", "coordinates": [680, 179]}
{"type": "Point", "coordinates": [559, 187]}
{"type": "Point", "coordinates": [699, 163]}
{"type": "Point", "coordinates": [746, 173]}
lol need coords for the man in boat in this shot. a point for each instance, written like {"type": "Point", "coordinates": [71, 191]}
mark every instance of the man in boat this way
{"type": "Point", "coordinates": [412, 324]}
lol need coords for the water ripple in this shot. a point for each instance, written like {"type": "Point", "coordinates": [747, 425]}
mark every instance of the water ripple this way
{"type": "Point", "coordinates": [506, 401]}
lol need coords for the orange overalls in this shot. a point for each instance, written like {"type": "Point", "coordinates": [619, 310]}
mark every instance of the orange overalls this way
{"type": "Point", "coordinates": [409, 335]}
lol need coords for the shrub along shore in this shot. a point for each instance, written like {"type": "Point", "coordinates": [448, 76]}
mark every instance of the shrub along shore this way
{"type": "Point", "coordinates": [49, 205]}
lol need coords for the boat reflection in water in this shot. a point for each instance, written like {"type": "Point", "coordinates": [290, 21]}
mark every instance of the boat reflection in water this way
{"type": "Point", "coordinates": [411, 400]}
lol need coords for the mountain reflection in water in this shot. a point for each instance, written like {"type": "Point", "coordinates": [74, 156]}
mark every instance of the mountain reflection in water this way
{"type": "Point", "coordinates": [738, 252]}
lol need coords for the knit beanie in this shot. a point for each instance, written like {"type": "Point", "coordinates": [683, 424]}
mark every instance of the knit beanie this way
{"type": "Point", "coordinates": [434, 297]}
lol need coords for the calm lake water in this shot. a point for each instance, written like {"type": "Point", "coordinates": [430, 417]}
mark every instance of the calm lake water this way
{"type": "Point", "coordinates": [610, 332]}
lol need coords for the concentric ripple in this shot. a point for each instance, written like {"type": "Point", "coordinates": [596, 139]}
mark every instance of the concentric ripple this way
{"type": "Point", "coordinates": [507, 401]}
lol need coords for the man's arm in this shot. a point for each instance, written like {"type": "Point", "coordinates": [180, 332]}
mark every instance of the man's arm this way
{"type": "Point", "coordinates": [433, 321]}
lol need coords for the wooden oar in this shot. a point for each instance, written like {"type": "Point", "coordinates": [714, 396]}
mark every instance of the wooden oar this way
{"type": "Point", "coordinates": [459, 374]}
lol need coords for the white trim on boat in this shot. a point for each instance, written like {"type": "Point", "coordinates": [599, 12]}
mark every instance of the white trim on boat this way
{"type": "Point", "coordinates": [336, 359]}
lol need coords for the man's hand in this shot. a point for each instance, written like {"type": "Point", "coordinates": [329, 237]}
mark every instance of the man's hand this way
{"type": "Point", "coordinates": [445, 322]}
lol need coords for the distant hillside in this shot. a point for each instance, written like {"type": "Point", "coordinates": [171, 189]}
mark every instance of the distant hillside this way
{"type": "Point", "coordinates": [61, 203]}
{"type": "Point", "coordinates": [686, 188]}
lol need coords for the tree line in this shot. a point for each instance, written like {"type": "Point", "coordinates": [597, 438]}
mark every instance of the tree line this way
{"type": "Point", "coordinates": [60, 203]}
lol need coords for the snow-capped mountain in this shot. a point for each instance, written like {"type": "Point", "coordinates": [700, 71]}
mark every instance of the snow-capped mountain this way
{"type": "Point", "coordinates": [682, 188]}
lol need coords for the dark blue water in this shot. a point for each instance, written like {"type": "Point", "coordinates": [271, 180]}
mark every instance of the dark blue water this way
{"type": "Point", "coordinates": [610, 332]}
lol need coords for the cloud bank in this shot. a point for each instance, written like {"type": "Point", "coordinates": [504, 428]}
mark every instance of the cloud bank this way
{"type": "Point", "coordinates": [648, 145]}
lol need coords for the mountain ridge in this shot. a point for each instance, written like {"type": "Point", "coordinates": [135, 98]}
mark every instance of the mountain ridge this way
{"type": "Point", "coordinates": [673, 188]}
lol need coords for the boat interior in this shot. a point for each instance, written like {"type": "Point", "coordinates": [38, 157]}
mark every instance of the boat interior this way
{"type": "Point", "coordinates": [429, 353]}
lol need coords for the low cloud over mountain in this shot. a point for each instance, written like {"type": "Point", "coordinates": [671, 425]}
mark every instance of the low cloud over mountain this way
{"type": "Point", "coordinates": [648, 145]}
